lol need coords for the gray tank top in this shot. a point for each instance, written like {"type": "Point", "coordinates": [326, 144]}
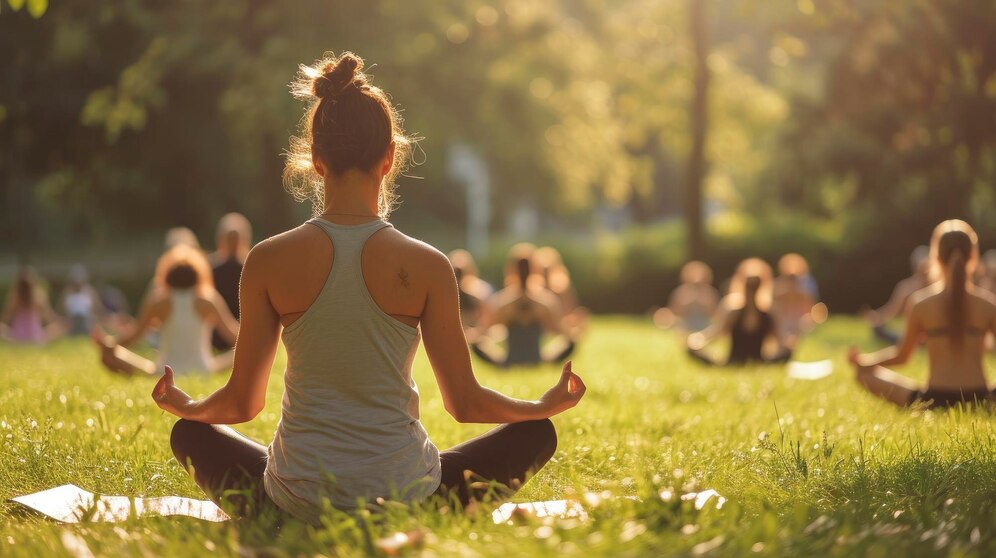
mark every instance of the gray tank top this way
{"type": "Point", "coordinates": [349, 425]}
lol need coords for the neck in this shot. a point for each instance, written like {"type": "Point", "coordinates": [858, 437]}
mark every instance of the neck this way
{"type": "Point", "coordinates": [352, 194]}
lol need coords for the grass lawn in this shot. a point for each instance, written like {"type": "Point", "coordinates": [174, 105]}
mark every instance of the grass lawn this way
{"type": "Point", "coordinates": [808, 467]}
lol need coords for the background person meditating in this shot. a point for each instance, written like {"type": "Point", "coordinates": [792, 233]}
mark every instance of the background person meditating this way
{"type": "Point", "coordinates": [691, 305]}
{"type": "Point", "coordinates": [899, 303]}
{"type": "Point", "coordinates": [527, 311]}
{"type": "Point", "coordinates": [27, 315]}
{"type": "Point", "coordinates": [557, 279]}
{"type": "Point", "coordinates": [795, 302]}
{"type": "Point", "coordinates": [81, 303]}
{"type": "Point", "coordinates": [744, 316]}
{"type": "Point", "coordinates": [185, 308]}
{"type": "Point", "coordinates": [474, 291]}
{"type": "Point", "coordinates": [955, 317]}
{"type": "Point", "coordinates": [233, 240]}
{"type": "Point", "coordinates": [352, 295]}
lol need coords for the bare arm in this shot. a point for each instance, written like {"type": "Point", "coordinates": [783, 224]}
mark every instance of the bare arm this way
{"type": "Point", "coordinates": [897, 354]}
{"type": "Point", "coordinates": [463, 397]}
{"type": "Point", "coordinates": [896, 304]}
{"type": "Point", "coordinates": [151, 310]}
{"type": "Point", "coordinates": [244, 395]}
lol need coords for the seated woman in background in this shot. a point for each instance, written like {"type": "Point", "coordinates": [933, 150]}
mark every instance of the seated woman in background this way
{"type": "Point", "coordinates": [474, 291]}
{"type": "Point", "coordinates": [744, 316]}
{"type": "Point", "coordinates": [185, 308]}
{"type": "Point", "coordinates": [527, 311]}
{"type": "Point", "coordinates": [233, 240]}
{"type": "Point", "coordinates": [692, 304]}
{"type": "Point", "coordinates": [557, 280]}
{"type": "Point", "coordinates": [353, 296]}
{"type": "Point", "coordinates": [899, 303]}
{"type": "Point", "coordinates": [81, 303]}
{"type": "Point", "coordinates": [955, 317]}
{"type": "Point", "coordinates": [794, 303]}
{"type": "Point", "coordinates": [27, 315]}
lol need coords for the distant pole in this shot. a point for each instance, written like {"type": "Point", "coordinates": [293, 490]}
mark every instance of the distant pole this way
{"type": "Point", "coordinates": [466, 166]}
{"type": "Point", "coordinates": [696, 167]}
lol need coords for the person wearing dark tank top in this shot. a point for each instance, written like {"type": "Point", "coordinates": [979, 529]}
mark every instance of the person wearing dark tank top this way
{"type": "Point", "coordinates": [954, 316]}
{"type": "Point", "coordinates": [527, 313]}
{"type": "Point", "coordinates": [745, 318]}
{"type": "Point", "coordinates": [234, 238]}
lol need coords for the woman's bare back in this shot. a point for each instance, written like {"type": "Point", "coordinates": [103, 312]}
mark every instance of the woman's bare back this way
{"type": "Point", "coordinates": [952, 366]}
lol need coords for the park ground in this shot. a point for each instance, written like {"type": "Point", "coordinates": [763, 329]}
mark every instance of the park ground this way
{"type": "Point", "coordinates": [807, 467]}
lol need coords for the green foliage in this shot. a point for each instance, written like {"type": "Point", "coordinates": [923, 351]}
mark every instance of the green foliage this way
{"type": "Point", "coordinates": [808, 468]}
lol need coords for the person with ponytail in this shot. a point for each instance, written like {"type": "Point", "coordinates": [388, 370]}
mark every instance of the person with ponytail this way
{"type": "Point", "coordinates": [351, 297]}
{"type": "Point", "coordinates": [526, 310]}
{"type": "Point", "coordinates": [745, 315]}
{"type": "Point", "coordinates": [954, 316]}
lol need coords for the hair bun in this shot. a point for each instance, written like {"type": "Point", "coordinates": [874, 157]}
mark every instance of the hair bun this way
{"type": "Point", "coordinates": [338, 76]}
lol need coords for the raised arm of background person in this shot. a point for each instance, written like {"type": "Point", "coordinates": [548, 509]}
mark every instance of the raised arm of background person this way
{"type": "Point", "coordinates": [898, 354]}
{"type": "Point", "coordinates": [896, 303]}
{"type": "Point", "coordinates": [244, 395]}
{"type": "Point", "coordinates": [225, 322]}
{"type": "Point", "coordinates": [152, 309]}
{"type": "Point", "coordinates": [464, 398]}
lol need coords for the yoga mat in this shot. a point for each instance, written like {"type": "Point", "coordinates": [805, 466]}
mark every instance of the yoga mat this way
{"type": "Point", "coordinates": [810, 370]}
{"type": "Point", "coordinates": [550, 508]}
{"type": "Point", "coordinates": [698, 499]}
{"type": "Point", "coordinates": [71, 504]}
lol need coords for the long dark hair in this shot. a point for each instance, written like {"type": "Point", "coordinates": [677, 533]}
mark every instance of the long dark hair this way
{"type": "Point", "coordinates": [955, 245]}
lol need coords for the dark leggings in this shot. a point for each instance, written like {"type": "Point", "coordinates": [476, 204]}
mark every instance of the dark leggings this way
{"type": "Point", "coordinates": [229, 467]}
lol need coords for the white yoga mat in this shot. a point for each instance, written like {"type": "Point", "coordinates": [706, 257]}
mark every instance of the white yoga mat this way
{"type": "Point", "coordinates": [810, 370]}
{"type": "Point", "coordinates": [71, 504]}
{"type": "Point", "coordinates": [550, 508]}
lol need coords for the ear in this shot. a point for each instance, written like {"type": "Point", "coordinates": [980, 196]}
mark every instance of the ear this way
{"type": "Point", "coordinates": [317, 163]}
{"type": "Point", "coordinates": [388, 161]}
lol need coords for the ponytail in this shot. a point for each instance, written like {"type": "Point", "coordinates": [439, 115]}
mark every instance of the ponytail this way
{"type": "Point", "coordinates": [959, 277]}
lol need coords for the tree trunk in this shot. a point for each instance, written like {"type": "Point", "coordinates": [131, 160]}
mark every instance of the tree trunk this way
{"type": "Point", "coordinates": [696, 168]}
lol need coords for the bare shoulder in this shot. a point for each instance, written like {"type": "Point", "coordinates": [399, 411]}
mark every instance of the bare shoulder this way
{"type": "Point", "coordinates": [412, 251]}
{"type": "Point", "coordinates": [925, 296]}
{"type": "Point", "coordinates": [984, 297]}
{"type": "Point", "coordinates": [158, 304]}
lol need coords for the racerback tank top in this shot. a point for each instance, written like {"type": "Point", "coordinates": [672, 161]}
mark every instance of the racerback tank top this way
{"type": "Point", "coordinates": [349, 426]}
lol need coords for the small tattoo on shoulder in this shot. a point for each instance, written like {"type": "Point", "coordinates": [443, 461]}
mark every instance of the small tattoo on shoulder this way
{"type": "Point", "coordinates": [403, 275]}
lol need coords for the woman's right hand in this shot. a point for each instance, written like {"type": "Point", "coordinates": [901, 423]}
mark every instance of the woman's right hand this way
{"type": "Point", "coordinates": [566, 394]}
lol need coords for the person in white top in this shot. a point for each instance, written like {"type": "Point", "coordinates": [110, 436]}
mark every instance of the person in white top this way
{"type": "Point", "coordinates": [185, 307]}
{"type": "Point", "coordinates": [354, 296]}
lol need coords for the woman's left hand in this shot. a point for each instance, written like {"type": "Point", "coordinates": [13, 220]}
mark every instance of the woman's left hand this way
{"type": "Point", "coordinates": [169, 397]}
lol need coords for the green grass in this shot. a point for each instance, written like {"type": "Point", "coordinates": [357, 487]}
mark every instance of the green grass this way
{"type": "Point", "coordinates": [809, 468]}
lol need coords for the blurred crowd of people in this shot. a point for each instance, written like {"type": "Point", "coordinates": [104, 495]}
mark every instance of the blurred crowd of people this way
{"type": "Point", "coordinates": [507, 327]}
{"type": "Point", "coordinates": [189, 312]}
{"type": "Point", "coordinates": [763, 316]}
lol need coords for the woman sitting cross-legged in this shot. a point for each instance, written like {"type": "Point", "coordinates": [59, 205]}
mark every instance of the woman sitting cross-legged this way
{"type": "Point", "coordinates": [744, 314]}
{"type": "Point", "coordinates": [353, 296]}
{"type": "Point", "coordinates": [185, 307]}
{"type": "Point", "coordinates": [954, 315]}
{"type": "Point", "coordinates": [526, 310]}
